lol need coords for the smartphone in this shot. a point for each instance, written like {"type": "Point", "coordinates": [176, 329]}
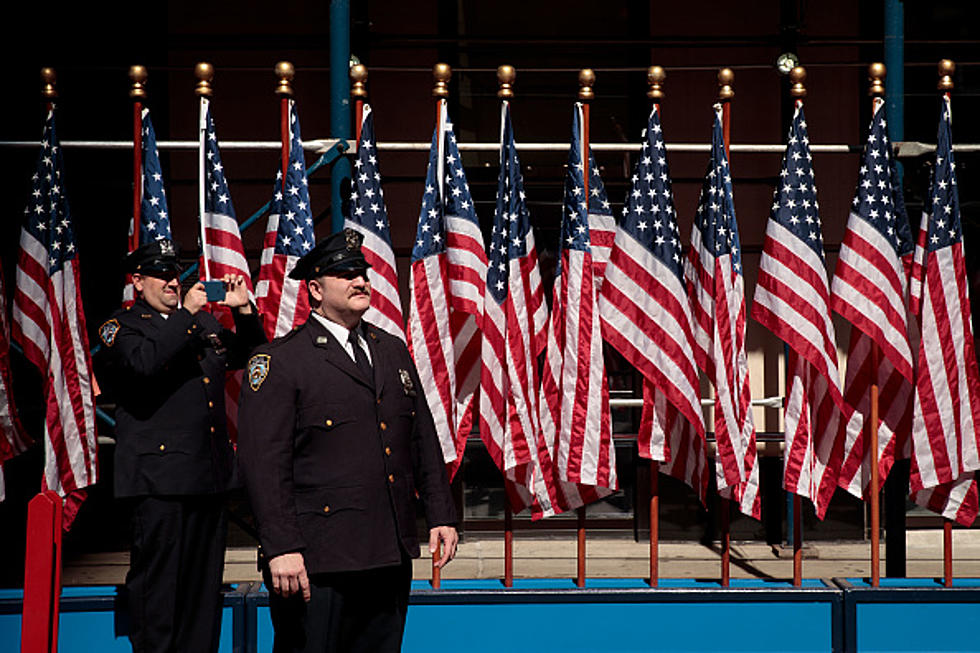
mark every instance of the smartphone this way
{"type": "Point", "coordinates": [215, 290]}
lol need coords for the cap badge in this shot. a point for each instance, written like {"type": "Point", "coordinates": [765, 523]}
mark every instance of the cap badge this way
{"type": "Point", "coordinates": [350, 236]}
{"type": "Point", "coordinates": [166, 248]}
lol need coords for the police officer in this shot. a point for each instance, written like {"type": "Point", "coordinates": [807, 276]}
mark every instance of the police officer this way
{"type": "Point", "coordinates": [164, 363]}
{"type": "Point", "coordinates": [335, 441]}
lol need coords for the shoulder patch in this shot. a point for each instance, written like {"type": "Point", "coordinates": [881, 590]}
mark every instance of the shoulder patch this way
{"type": "Point", "coordinates": [258, 369]}
{"type": "Point", "coordinates": [108, 331]}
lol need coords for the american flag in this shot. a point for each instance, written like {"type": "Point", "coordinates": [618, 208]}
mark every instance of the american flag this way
{"type": "Point", "coordinates": [449, 269]}
{"type": "Point", "coordinates": [869, 290]}
{"type": "Point", "coordinates": [791, 299]}
{"type": "Point", "coordinates": [369, 217]}
{"type": "Point", "coordinates": [514, 324]}
{"type": "Point", "coordinates": [49, 323]}
{"type": "Point", "coordinates": [646, 316]}
{"type": "Point", "coordinates": [945, 436]}
{"type": "Point", "coordinates": [717, 290]}
{"type": "Point", "coordinates": [154, 219]}
{"type": "Point", "coordinates": [575, 416]}
{"type": "Point", "coordinates": [222, 251]}
{"type": "Point", "coordinates": [602, 223]}
{"type": "Point", "coordinates": [288, 235]}
{"type": "Point", "coordinates": [13, 438]}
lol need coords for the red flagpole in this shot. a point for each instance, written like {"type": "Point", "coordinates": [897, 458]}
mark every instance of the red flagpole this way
{"type": "Point", "coordinates": [138, 76]}
{"type": "Point", "coordinates": [655, 78]}
{"type": "Point", "coordinates": [358, 74]}
{"type": "Point", "coordinates": [505, 91]}
{"type": "Point", "coordinates": [439, 92]}
{"type": "Point", "coordinates": [585, 79]}
{"type": "Point", "coordinates": [285, 72]}
{"type": "Point", "coordinates": [946, 68]}
{"type": "Point", "coordinates": [725, 94]}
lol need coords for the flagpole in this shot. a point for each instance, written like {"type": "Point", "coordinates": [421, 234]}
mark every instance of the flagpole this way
{"type": "Point", "coordinates": [876, 73]}
{"type": "Point", "coordinates": [945, 85]}
{"type": "Point", "coordinates": [204, 73]}
{"type": "Point", "coordinates": [505, 91]}
{"type": "Point", "coordinates": [655, 78]}
{"type": "Point", "coordinates": [138, 75]}
{"type": "Point", "coordinates": [441, 73]}
{"type": "Point", "coordinates": [285, 72]}
{"type": "Point", "coordinates": [725, 95]}
{"type": "Point", "coordinates": [358, 75]}
{"type": "Point", "coordinates": [586, 78]}
{"type": "Point", "coordinates": [798, 91]}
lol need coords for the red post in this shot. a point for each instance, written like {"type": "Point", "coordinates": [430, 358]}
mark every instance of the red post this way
{"type": "Point", "coordinates": [284, 135]}
{"type": "Point", "coordinates": [947, 553]}
{"type": "Point", "coordinates": [723, 507]}
{"type": "Point", "coordinates": [134, 237]}
{"type": "Point", "coordinates": [875, 489]}
{"type": "Point", "coordinates": [42, 575]}
{"type": "Point", "coordinates": [797, 542]}
{"type": "Point", "coordinates": [654, 523]}
{"type": "Point", "coordinates": [508, 545]}
{"type": "Point", "coordinates": [585, 79]}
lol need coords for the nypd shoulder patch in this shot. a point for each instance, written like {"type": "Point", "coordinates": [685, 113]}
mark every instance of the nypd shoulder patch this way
{"type": "Point", "coordinates": [258, 369]}
{"type": "Point", "coordinates": [108, 331]}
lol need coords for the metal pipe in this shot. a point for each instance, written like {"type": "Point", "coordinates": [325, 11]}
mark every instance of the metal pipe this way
{"type": "Point", "coordinates": [321, 145]}
{"type": "Point", "coordinates": [340, 118]}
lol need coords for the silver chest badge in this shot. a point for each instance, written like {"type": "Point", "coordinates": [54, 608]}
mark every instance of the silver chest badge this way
{"type": "Point", "coordinates": [407, 384]}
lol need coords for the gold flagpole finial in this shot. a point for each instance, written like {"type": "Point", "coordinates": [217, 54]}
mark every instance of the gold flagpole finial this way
{"type": "Point", "coordinates": [285, 72]}
{"type": "Point", "coordinates": [205, 75]}
{"type": "Point", "coordinates": [876, 79]}
{"type": "Point", "coordinates": [586, 78]}
{"type": "Point", "coordinates": [358, 75]}
{"type": "Point", "coordinates": [796, 77]}
{"type": "Point", "coordinates": [725, 78]}
{"type": "Point", "coordinates": [655, 78]}
{"type": "Point", "coordinates": [441, 72]}
{"type": "Point", "coordinates": [505, 80]}
{"type": "Point", "coordinates": [946, 70]}
{"type": "Point", "coordinates": [49, 80]}
{"type": "Point", "coordinates": [138, 75]}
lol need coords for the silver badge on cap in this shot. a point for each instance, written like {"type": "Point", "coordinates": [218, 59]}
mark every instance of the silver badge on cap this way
{"type": "Point", "coordinates": [350, 236]}
{"type": "Point", "coordinates": [166, 247]}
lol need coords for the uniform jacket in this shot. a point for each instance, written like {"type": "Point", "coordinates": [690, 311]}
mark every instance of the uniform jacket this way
{"type": "Point", "coordinates": [333, 460]}
{"type": "Point", "coordinates": [167, 376]}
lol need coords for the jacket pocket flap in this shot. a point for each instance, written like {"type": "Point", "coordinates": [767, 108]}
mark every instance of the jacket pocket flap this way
{"type": "Point", "coordinates": [325, 416]}
{"type": "Point", "coordinates": [328, 500]}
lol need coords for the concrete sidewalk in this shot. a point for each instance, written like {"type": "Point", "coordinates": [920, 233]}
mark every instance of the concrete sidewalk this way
{"type": "Point", "coordinates": [608, 557]}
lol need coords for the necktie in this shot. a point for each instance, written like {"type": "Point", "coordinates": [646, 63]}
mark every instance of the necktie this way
{"type": "Point", "coordinates": [360, 358]}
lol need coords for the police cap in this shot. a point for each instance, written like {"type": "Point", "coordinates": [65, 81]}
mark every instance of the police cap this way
{"type": "Point", "coordinates": [340, 252]}
{"type": "Point", "coordinates": [156, 257]}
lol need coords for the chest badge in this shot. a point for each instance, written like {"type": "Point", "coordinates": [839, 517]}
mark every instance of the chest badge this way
{"type": "Point", "coordinates": [258, 369]}
{"type": "Point", "coordinates": [214, 341]}
{"type": "Point", "coordinates": [108, 331]}
{"type": "Point", "coordinates": [407, 384]}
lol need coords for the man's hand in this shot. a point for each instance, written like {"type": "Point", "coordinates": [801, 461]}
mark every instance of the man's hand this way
{"type": "Point", "coordinates": [236, 293]}
{"type": "Point", "coordinates": [195, 298]}
{"type": "Point", "coordinates": [288, 573]}
{"type": "Point", "coordinates": [447, 536]}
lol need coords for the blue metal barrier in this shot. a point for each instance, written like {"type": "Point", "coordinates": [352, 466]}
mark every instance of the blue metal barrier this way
{"type": "Point", "coordinates": [911, 614]}
{"type": "Point", "coordinates": [95, 619]}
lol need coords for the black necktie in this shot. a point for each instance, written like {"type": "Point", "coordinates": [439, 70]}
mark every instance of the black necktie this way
{"type": "Point", "coordinates": [360, 358]}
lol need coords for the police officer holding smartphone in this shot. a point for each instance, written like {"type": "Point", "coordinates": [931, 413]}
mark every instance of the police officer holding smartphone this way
{"type": "Point", "coordinates": [164, 362]}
